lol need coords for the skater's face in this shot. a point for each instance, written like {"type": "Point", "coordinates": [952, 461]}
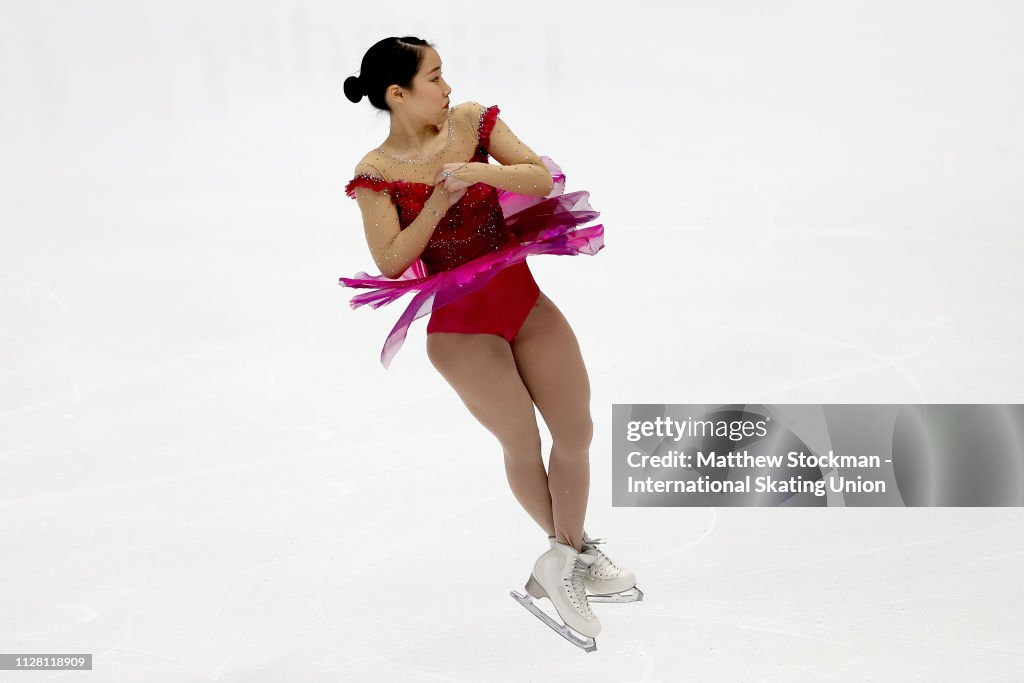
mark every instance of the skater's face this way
{"type": "Point", "coordinates": [428, 97]}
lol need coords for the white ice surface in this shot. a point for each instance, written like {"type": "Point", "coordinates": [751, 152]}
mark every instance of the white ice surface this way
{"type": "Point", "coordinates": [206, 475]}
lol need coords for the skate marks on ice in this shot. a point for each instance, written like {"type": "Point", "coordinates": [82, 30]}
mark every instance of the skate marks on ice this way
{"type": "Point", "coordinates": [666, 552]}
{"type": "Point", "coordinates": [753, 570]}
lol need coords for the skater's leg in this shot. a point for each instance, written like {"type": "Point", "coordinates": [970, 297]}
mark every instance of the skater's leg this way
{"type": "Point", "coordinates": [549, 360]}
{"type": "Point", "coordinates": [481, 369]}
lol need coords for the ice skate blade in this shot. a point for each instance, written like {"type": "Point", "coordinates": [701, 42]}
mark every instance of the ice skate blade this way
{"type": "Point", "coordinates": [632, 595]}
{"type": "Point", "coordinates": [587, 644]}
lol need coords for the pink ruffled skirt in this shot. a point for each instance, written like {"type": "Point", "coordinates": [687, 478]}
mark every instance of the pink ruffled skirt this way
{"type": "Point", "coordinates": [541, 225]}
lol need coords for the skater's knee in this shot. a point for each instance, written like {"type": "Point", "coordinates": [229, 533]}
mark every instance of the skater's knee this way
{"type": "Point", "coordinates": [574, 437]}
{"type": "Point", "coordinates": [523, 449]}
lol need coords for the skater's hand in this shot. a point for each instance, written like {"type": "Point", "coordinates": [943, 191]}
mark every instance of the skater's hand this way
{"type": "Point", "coordinates": [449, 197]}
{"type": "Point", "coordinates": [453, 183]}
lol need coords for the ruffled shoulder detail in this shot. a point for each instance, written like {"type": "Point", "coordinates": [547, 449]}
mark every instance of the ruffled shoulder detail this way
{"type": "Point", "coordinates": [368, 181]}
{"type": "Point", "coordinates": [487, 118]}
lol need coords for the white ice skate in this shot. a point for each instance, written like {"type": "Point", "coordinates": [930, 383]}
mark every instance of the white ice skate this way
{"type": "Point", "coordinates": [558, 576]}
{"type": "Point", "coordinates": [606, 580]}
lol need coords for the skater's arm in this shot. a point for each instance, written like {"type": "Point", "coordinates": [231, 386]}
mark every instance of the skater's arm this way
{"type": "Point", "coordinates": [394, 249]}
{"type": "Point", "coordinates": [521, 169]}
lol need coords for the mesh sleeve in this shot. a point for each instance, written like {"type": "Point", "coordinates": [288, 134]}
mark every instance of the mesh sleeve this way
{"type": "Point", "coordinates": [521, 169]}
{"type": "Point", "coordinates": [392, 248]}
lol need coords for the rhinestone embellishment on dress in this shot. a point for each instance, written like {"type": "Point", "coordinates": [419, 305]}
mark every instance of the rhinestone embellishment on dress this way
{"type": "Point", "coordinates": [420, 160]}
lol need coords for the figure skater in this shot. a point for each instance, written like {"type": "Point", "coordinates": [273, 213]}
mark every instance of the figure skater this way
{"type": "Point", "coordinates": [441, 221]}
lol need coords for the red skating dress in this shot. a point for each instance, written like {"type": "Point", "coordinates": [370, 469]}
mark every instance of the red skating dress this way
{"type": "Point", "coordinates": [472, 277]}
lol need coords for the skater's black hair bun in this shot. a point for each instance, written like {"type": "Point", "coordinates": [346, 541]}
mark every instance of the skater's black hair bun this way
{"type": "Point", "coordinates": [353, 88]}
{"type": "Point", "coordinates": [391, 61]}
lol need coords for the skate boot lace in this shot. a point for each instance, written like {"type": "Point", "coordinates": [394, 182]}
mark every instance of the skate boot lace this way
{"type": "Point", "coordinates": [577, 591]}
{"type": "Point", "coordinates": [603, 563]}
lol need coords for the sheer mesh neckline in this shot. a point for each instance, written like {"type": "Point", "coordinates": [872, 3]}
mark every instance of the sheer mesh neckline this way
{"type": "Point", "coordinates": [377, 173]}
{"type": "Point", "coordinates": [447, 144]}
